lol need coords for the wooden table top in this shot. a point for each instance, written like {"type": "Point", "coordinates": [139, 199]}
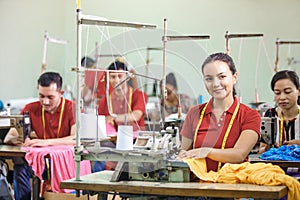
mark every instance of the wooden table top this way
{"type": "Point", "coordinates": [100, 182]}
{"type": "Point", "coordinates": [11, 151]}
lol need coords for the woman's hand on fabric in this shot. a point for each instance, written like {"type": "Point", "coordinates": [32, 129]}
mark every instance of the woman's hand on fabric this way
{"type": "Point", "coordinates": [291, 142]}
{"type": "Point", "coordinates": [263, 147]}
{"type": "Point", "coordinates": [195, 153]}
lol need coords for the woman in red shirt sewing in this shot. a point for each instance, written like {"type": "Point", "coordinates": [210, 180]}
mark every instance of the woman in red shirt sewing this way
{"type": "Point", "coordinates": [222, 130]}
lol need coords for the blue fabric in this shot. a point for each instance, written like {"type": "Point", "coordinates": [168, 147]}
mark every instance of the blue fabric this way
{"type": "Point", "coordinates": [1, 105]}
{"type": "Point", "coordinates": [22, 177]}
{"type": "Point", "coordinates": [98, 166]}
{"type": "Point", "coordinates": [285, 152]}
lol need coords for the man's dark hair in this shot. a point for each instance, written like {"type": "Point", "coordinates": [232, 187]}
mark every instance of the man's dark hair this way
{"type": "Point", "coordinates": [87, 62]}
{"type": "Point", "coordinates": [50, 77]}
{"type": "Point", "coordinates": [117, 65]}
{"type": "Point", "coordinates": [170, 79]}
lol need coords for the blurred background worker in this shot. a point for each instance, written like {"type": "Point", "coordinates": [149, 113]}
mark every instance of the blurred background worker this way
{"type": "Point", "coordinates": [125, 104]}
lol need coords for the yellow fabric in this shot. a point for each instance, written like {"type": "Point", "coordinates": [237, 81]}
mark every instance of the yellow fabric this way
{"type": "Point", "coordinates": [257, 173]}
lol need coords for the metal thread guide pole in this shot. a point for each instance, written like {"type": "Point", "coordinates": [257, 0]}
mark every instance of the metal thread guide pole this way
{"type": "Point", "coordinates": [230, 36]}
{"type": "Point", "coordinates": [163, 80]}
{"type": "Point", "coordinates": [165, 39]}
{"type": "Point", "coordinates": [47, 39]}
{"type": "Point", "coordinates": [278, 43]}
{"type": "Point", "coordinates": [79, 102]}
{"type": "Point", "coordinates": [98, 21]}
{"type": "Point", "coordinates": [227, 49]}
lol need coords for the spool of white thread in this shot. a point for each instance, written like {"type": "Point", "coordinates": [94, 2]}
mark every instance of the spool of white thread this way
{"type": "Point", "coordinates": [125, 138]}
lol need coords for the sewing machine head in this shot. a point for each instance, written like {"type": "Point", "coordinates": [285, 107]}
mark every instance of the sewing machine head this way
{"type": "Point", "coordinates": [167, 140]}
{"type": "Point", "coordinates": [153, 158]}
{"type": "Point", "coordinates": [268, 130]}
{"type": "Point", "coordinates": [20, 122]}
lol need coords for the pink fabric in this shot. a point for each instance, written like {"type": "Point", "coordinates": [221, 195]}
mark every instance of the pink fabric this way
{"type": "Point", "coordinates": [63, 166]}
{"type": "Point", "coordinates": [110, 130]}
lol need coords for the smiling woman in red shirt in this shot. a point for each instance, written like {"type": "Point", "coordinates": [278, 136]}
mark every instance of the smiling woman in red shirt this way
{"type": "Point", "coordinates": [222, 130]}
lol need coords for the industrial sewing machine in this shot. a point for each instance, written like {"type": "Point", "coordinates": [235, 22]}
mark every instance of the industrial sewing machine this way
{"type": "Point", "coordinates": [153, 158]}
{"type": "Point", "coordinates": [268, 130]}
{"type": "Point", "coordinates": [168, 168]}
{"type": "Point", "coordinates": [165, 139]}
{"type": "Point", "coordinates": [20, 122]}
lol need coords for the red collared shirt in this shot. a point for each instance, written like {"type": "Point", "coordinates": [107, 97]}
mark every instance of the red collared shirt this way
{"type": "Point", "coordinates": [51, 120]}
{"type": "Point", "coordinates": [211, 133]}
{"type": "Point", "coordinates": [138, 102]}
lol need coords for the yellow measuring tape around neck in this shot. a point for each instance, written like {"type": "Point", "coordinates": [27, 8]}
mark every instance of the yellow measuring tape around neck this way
{"type": "Point", "coordinates": [281, 127]}
{"type": "Point", "coordinates": [129, 102]}
{"type": "Point", "coordinates": [226, 133]}
{"type": "Point", "coordinates": [59, 122]}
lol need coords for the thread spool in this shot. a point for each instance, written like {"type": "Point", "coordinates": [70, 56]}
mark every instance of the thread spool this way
{"type": "Point", "coordinates": [125, 138]}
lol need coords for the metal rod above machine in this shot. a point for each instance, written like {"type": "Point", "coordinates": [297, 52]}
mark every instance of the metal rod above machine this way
{"type": "Point", "coordinates": [287, 42]}
{"type": "Point", "coordinates": [154, 48]}
{"type": "Point", "coordinates": [55, 40]}
{"type": "Point", "coordinates": [278, 43]}
{"type": "Point", "coordinates": [47, 39]}
{"type": "Point", "coordinates": [108, 55]}
{"type": "Point", "coordinates": [230, 35]}
{"type": "Point", "coordinates": [238, 35]}
{"type": "Point", "coordinates": [95, 20]}
{"type": "Point", "coordinates": [188, 37]}
{"type": "Point", "coordinates": [90, 20]}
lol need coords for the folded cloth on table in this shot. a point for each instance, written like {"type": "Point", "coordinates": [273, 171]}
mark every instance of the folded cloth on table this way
{"type": "Point", "coordinates": [256, 173]}
{"type": "Point", "coordinates": [62, 164]}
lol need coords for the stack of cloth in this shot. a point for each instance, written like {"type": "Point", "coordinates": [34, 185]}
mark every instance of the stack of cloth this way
{"type": "Point", "coordinates": [257, 173]}
{"type": "Point", "coordinates": [285, 152]}
{"type": "Point", "coordinates": [62, 166]}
